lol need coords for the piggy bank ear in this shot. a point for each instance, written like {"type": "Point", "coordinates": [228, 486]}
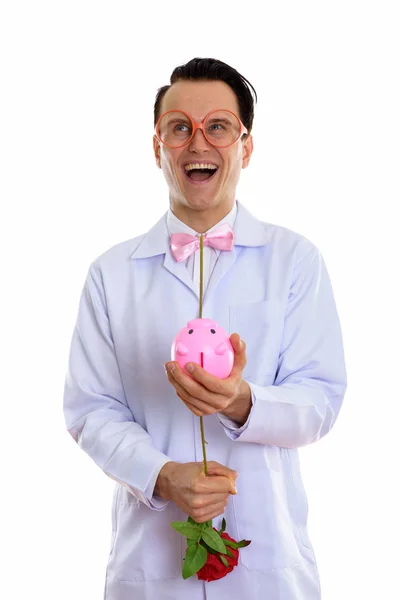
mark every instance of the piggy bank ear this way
{"type": "Point", "coordinates": [221, 348]}
{"type": "Point", "coordinates": [182, 349]}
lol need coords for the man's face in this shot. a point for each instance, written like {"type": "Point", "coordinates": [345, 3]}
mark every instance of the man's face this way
{"type": "Point", "coordinates": [198, 98]}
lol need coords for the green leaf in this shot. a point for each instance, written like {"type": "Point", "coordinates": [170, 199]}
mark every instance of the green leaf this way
{"type": "Point", "coordinates": [243, 543]}
{"type": "Point", "coordinates": [206, 525]}
{"type": "Point", "coordinates": [236, 545]}
{"type": "Point", "coordinates": [230, 544]}
{"type": "Point", "coordinates": [224, 561]}
{"type": "Point", "coordinates": [213, 540]}
{"type": "Point", "coordinates": [195, 559]}
{"type": "Point", "coordinates": [209, 550]}
{"type": "Point", "coordinates": [187, 529]}
{"type": "Point", "coordinates": [191, 542]}
{"type": "Point", "coordinates": [193, 522]}
{"type": "Point", "coordinates": [223, 526]}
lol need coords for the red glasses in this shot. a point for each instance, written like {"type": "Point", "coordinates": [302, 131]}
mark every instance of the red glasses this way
{"type": "Point", "coordinates": [221, 128]}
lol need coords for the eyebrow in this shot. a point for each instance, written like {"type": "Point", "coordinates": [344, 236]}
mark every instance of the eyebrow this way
{"type": "Point", "coordinates": [179, 120]}
{"type": "Point", "coordinates": [216, 120]}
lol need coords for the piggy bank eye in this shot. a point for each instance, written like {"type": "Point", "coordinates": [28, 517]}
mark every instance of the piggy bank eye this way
{"type": "Point", "coordinates": [190, 330]}
{"type": "Point", "coordinates": [212, 330]}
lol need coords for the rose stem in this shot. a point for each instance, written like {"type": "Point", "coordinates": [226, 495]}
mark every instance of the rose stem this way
{"type": "Point", "coordinates": [203, 442]}
{"type": "Point", "coordinates": [201, 278]}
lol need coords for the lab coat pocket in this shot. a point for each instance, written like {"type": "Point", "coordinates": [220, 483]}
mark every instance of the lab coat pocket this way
{"type": "Point", "coordinates": [260, 325]}
{"type": "Point", "coordinates": [146, 547]}
{"type": "Point", "coordinates": [262, 516]}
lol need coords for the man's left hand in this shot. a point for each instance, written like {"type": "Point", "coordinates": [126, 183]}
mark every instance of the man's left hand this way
{"type": "Point", "coordinates": [205, 394]}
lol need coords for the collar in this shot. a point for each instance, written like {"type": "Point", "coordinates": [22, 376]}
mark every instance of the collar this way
{"type": "Point", "coordinates": [248, 231]}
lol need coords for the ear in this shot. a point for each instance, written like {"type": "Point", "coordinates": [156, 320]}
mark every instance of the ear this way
{"type": "Point", "coordinates": [221, 348]}
{"type": "Point", "coordinates": [247, 150]}
{"type": "Point", "coordinates": [181, 349]}
{"type": "Point", "coordinates": [157, 153]}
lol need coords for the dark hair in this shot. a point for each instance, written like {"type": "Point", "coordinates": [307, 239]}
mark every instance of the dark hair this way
{"type": "Point", "coordinates": [214, 70]}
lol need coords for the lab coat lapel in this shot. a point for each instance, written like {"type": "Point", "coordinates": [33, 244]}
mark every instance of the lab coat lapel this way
{"type": "Point", "coordinates": [156, 242]}
{"type": "Point", "coordinates": [179, 270]}
{"type": "Point", "coordinates": [222, 266]}
{"type": "Point", "coordinates": [248, 231]}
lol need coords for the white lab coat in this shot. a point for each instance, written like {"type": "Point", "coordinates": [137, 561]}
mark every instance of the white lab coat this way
{"type": "Point", "coordinates": [273, 289]}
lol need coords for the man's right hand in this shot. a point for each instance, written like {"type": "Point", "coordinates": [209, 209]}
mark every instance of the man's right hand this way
{"type": "Point", "coordinates": [202, 497]}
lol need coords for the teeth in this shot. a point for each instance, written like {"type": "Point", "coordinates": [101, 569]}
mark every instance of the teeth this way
{"type": "Point", "coordinates": [200, 166]}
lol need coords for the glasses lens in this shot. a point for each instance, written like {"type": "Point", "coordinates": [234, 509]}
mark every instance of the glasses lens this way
{"type": "Point", "coordinates": [222, 128]}
{"type": "Point", "coordinates": [175, 129]}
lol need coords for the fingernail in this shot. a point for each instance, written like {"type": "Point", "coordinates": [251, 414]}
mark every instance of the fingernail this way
{"type": "Point", "coordinates": [170, 367]}
{"type": "Point", "coordinates": [189, 367]}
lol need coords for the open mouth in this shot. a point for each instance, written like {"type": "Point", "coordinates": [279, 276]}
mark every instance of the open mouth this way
{"type": "Point", "coordinates": [200, 173]}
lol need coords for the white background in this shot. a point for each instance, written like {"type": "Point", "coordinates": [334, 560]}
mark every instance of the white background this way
{"type": "Point", "coordinates": [78, 81]}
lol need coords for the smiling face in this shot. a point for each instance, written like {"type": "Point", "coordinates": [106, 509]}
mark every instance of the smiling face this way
{"type": "Point", "coordinates": [195, 200]}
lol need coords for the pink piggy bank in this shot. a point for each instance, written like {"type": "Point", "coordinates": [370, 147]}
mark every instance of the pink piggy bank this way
{"type": "Point", "coordinates": [206, 344]}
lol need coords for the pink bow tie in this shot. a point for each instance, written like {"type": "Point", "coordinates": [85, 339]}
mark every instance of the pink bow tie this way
{"type": "Point", "coordinates": [184, 244]}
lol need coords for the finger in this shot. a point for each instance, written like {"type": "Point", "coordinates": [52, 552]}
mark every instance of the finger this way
{"type": "Point", "coordinates": [190, 385]}
{"type": "Point", "coordinates": [239, 360]}
{"type": "Point", "coordinates": [201, 515]}
{"type": "Point", "coordinates": [215, 468]}
{"type": "Point", "coordinates": [198, 407]}
{"type": "Point", "coordinates": [207, 405]}
{"type": "Point", "coordinates": [221, 484]}
{"type": "Point", "coordinates": [170, 378]}
{"type": "Point", "coordinates": [192, 403]}
{"type": "Point", "coordinates": [207, 380]}
{"type": "Point", "coordinates": [180, 390]}
{"type": "Point", "coordinates": [204, 500]}
{"type": "Point", "coordinates": [193, 408]}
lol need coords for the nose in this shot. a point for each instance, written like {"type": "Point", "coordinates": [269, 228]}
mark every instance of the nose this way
{"type": "Point", "coordinates": [199, 143]}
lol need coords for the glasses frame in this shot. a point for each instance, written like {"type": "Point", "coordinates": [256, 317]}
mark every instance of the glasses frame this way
{"type": "Point", "coordinates": [200, 125]}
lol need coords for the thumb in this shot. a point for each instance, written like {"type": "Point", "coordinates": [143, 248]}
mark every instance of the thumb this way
{"type": "Point", "coordinates": [237, 343]}
{"type": "Point", "coordinates": [239, 360]}
{"type": "Point", "coordinates": [217, 469]}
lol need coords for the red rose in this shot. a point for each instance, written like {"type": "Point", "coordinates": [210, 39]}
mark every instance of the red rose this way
{"type": "Point", "coordinates": [214, 567]}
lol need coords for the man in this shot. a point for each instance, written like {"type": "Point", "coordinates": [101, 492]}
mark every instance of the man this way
{"type": "Point", "coordinates": [285, 390]}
